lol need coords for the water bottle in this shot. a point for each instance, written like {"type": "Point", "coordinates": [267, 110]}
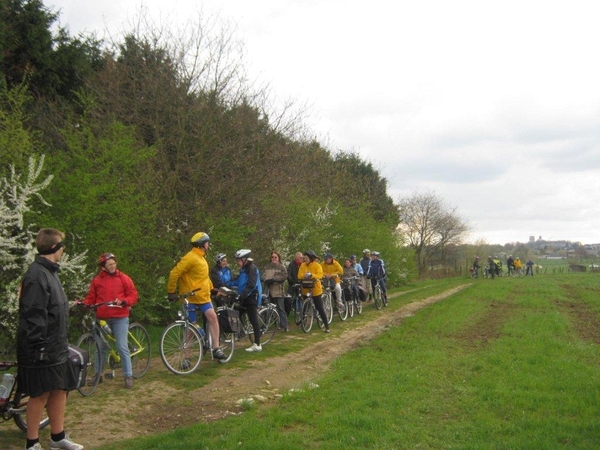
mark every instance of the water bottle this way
{"type": "Point", "coordinates": [201, 331]}
{"type": "Point", "coordinates": [8, 380]}
{"type": "Point", "coordinates": [105, 326]}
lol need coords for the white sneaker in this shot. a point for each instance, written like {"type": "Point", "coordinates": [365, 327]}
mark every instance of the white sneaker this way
{"type": "Point", "coordinates": [36, 446]}
{"type": "Point", "coordinates": [254, 348]}
{"type": "Point", "coordinates": [65, 443]}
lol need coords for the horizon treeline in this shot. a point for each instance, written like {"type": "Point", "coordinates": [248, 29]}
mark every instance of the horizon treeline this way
{"type": "Point", "coordinates": [158, 134]}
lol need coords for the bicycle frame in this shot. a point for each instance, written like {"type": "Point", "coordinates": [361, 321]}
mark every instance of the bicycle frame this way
{"type": "Point", "coordinates": [108, 342]}
{"type": "Point", "coordinates": [15, 405]}
{"type": "Point", "coordinates": [103, 350]}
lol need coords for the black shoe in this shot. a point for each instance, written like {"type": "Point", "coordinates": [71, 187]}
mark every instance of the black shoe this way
{"type": "Point", "coordinates": [218, 354]}
{"type": "Point", "coordinates": [185, 364]}
{"type": "Point", "coordinates": [327, 330]}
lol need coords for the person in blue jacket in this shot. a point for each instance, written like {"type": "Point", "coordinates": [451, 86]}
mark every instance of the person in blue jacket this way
{"type": "Point", "coordinates": [376, 272]}
{"type": "Point", "coordinates": [250, 293]}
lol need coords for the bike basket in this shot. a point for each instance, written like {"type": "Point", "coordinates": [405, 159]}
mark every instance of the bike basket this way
{"type": "Point", "coordinates": [308, 284]}
{"type": "Point", "coordinates": [229, 321]}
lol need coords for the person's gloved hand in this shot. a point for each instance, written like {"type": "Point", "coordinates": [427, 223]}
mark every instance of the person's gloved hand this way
{"type": "Point", "coordinates": [172, 297]}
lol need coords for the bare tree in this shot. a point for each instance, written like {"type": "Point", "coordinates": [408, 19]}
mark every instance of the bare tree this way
{"type": "Point", "coordinates": [431, 228]}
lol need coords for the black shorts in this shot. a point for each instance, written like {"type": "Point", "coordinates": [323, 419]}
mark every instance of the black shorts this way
{"type": "Point", "coordinates": [35, 381]}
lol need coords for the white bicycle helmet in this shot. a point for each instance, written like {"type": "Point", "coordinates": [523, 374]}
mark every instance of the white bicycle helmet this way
{"type": "Point", "coordinates": [243, 253]}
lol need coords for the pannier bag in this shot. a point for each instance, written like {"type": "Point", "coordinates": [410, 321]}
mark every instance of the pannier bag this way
{"type": "Point", "coordinates": [79, 360]}
{"type": "Point", "coordinates": [229, 321]}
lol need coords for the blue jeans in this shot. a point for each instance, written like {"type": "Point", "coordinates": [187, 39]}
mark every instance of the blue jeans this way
{"type": "Point", "coordinates": [120, 329]}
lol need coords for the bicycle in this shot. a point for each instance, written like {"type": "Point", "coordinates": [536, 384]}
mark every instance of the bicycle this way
{"type": "Point", "coordinates": [183, 343]}
{"type": "Point", "coordinates": [354, 303]}
{"type": "Point", "coordinates": [268, 318]}
{"type": "Point", "coordinates": [379, 299]}
{"type": "Point", "coordinates": [14, 406]}
{"type": "Point", "coordinates": [308, 309]}
{"type": "Point", "coordinates": [100, 336]}
{"type": "Point", "coordinates": [327, 299]}
{"type": "Point", "coordinates": [297, 303]}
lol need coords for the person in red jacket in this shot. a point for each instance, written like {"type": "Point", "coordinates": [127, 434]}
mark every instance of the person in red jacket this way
{"type": "Point", "coordinates": [112, 285]}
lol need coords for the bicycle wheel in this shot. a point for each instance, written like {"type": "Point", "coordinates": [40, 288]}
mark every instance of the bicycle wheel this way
{"type": "Point", "coordinates": [343, 310]}
{"type": "Point", "coordinates": [358, 304]}
{"type": "Point", "coordinates": [227, 345]}
{"type": "Point", "coordinates": [308, 314]}
{"type": "Point", "coordinates": [181, 348]}
{"type": "Point", "coordinates": [94, 369]}
{"type": "Point", "coordinates": [297, 310]}
{"type": "Point", "coordinates": [328, 306]}
{"type": "Point", "coordinates": [20, 417]}
{"type": "Point", "coordinates": [350, 304]}
{"type": "Point", "coordinates": [377, 297]}
{"type": "Point", "coordinates": [269, 320]}
{"type": "Point", "coordinates": [138, 341]}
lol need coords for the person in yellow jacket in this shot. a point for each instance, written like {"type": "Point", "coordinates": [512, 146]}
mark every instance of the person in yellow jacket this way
{"type": "Point", "coordinates": [332, 272]}
{"type": "Point", "coordinates": [311, 269]}
{"type": "Point", "coordinates": [192, 272]}
{"type": "Point", "coordinates": [518, 266]}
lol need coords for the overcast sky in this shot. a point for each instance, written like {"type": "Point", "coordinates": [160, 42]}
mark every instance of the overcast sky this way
{"type": "Point", "coordinates": [492, 105]}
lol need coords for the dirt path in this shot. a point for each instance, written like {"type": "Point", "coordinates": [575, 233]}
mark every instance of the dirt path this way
{"type": "Point", "coordinates": [142, 411]}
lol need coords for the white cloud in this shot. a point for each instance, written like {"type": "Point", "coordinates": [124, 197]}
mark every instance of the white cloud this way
{"type": "Point", "coordinates": [493, 105]}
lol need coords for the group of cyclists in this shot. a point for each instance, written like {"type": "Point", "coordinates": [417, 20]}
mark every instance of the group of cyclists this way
{"type": "Point", "coordinates": [112, 294]}
{"type": "Point", "coordinates": [193, 272]}
{"type": "Point", "coordinates": [493, 267]}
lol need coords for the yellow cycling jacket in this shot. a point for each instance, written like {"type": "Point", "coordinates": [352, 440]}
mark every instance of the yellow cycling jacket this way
{"type": "Point", "coordinates": [317, 273]}
{"type": "Point", "coordinates": [191, 272]}
{"type": "Point", "coordinates": [335, 268]}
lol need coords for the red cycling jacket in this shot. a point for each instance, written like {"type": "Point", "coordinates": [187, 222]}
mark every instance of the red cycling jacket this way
{"type": "Point", "coordinates": [107, 287]}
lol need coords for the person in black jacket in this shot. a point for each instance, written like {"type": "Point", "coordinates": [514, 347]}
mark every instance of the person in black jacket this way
{"type": "Point", "coordinates": [250, 293]}
{"type": "Point", "coordinates": [42, 346]}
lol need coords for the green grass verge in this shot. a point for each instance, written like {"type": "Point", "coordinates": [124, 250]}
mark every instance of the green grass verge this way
{"type": "Point", "coordinates": [510, 363]}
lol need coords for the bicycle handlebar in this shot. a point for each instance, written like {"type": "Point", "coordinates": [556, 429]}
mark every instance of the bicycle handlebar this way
{"type": "Point", "coordinates": [5, 365]}
{"type": "Point", "coordinates": [188, 294]}
{"type": "Point", "coordinates": [97, 305]}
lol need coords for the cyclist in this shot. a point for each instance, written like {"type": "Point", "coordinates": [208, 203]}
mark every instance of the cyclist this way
{"type": "Point", "coordinates": [42, 342]}
{"type": "Point", "coordinates": [376, 273]}
{"type": "Point", "coordinates": [476, 267]}
{"type": "Point", "coordinates": [274, 275]}
{"type": "Point", "coordinates": [350, 271]}
{"type": "Point", "coordinates": [220, 275]}
{"type": "Point", "coordinates": [310, 268]}
{"type": "Point", "coordinates": [510, 265]}
{"type": "Point", "coordinates": [250, 293]}
{"type": "Point", "coordinates": [518, 265]}
{"type": "Point", "coordinates": [332, 271]}
{"type": "Point", "coordinates": [364, 263]}
{"type": "Point", "coordinates": [491, 267]}
{"type": "Point", "coordinates": [112, 285]}
{"type": "Point", "coordinates": [292, 279]}
{"type": "Point", "coordinates": [356, 265]}
{"type": "Point", "coordinates": [529, 267]}
{"type": "Point", "coordinates": [498, 266]}
{"type": "Point", "coordinates": [191, 272]}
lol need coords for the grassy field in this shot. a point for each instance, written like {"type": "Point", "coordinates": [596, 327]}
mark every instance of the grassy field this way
{"type": "Point", "coordinates": [510, 363]}
{"type": "Point", "coordinates": [505, 364]}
